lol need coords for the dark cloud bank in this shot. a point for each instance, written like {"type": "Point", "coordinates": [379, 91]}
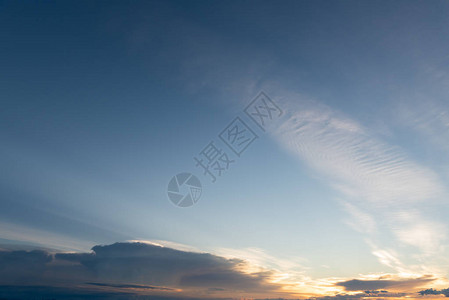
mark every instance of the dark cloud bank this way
{"type": "Point", "coordinates": [144, 271]}
{"type": "Point", "coordinates": [444, 292]}
{"type": "Point", "coordinates": [124, 270]}
{"type": "Point", "coordinates": [385, 283]}
{"type": "Point", "coordinates": [376, 288]}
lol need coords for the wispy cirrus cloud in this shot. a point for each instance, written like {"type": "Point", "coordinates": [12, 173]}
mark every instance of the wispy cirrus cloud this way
{"type": "Point", "coordinates": [40, 237]}
{"type": "Point", "coordinates": [427, 117]}
{"type": "Point", "coordinates": [378, 180]}
{"type": "Point", "coordinates": [360, 164]}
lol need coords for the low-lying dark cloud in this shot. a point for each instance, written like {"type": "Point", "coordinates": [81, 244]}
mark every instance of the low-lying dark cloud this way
{"type": "Point", "coordinates": [362, 295]}
{"type": "Point", "coordinates": [355, 285]}
{"type": "Point", "coordinates": [76, 293]}
{"type": "Point", "coordinates": [122, 270]}
{"type": "Point", "coordinates": [444, 292]}
{"type": "Point", "coordinates": [129, 286]}
{"type": "Point", "coordinates": [144, 263]}
{"type": "Point", "coordinates": [132, 266]}
{"type": "Point", "coordinates": [23, 266]}
{"type": "Point", "coordinates": [52, 292]}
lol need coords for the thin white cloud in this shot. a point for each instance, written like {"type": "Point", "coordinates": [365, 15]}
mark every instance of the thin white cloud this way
{"type": "Point", "coordinates": [419, 232]}
{"type": "Point", "coordinates": [258, 258]}
{"type": "Point", "coordinates": [428, 117]}
{"type": "Point", "coordinates": [390, 258]}
{"type": "Point", "coordinates": [43, 238]}
{"type": "Point", "coordinates": [377, 179]}
{"type": "Point", "coordinates": [342, 149]}
{"type": "Point", "coordinates": [361, 221]}
{"type": "Point", "coordinates": [168, 244]}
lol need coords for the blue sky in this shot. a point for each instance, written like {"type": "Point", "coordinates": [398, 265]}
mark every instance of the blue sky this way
{"type": "Point", "coordinates": [102, 103]}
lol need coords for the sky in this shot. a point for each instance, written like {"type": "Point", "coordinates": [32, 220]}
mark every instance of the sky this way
{"type": "Point", "coordinates": [329, 121]}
